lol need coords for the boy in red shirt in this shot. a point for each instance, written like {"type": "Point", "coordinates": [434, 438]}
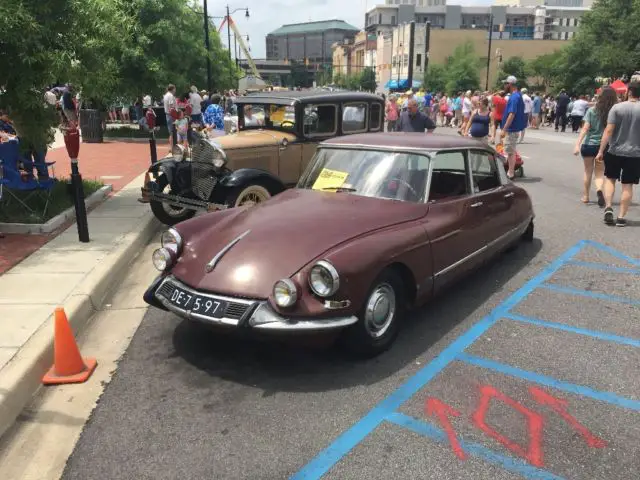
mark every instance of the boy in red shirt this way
{"type": "Point", "coordinates": [499, 104]}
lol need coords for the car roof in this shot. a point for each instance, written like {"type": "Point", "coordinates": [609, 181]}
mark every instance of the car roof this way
{"type": "Point", "coordinates": [310, 96]}
{"type": "Point", "coordinates": [402, 140]}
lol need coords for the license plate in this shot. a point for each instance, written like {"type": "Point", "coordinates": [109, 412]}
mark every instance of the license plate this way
{"type": "Point", "coordinates": [197, 303]}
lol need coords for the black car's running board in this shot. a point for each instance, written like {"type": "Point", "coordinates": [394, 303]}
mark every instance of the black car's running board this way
{"type": "Point", "coordinates": [180, 202]}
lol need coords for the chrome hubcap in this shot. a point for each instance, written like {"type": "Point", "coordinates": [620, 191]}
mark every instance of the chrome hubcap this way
{"type": "Point", "coordinates": [380, 310]}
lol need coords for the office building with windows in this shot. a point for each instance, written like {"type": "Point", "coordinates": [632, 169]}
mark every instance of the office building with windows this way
{"type": "Point", "coordinates": [310, 41]}
{"type": "Point", "coordinates": [513, 19]}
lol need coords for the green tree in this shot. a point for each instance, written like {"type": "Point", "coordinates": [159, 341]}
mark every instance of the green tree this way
{"type": "Point", "coordinates": [168, 47]}
{"type": "Point", "coordinates": [435, 78]}
{"type": "Point", "coordinates": [462, 69]}
{"type": "Point", "coordinates": [56, 41]}
{"type": "Point", "coordinates": [607, 45]}
{"type": "Point", "coordinates": [368, 79]}
{"type": "Point", "coordinates": [547, 68]}
{"type": "Point", "coordinates": [515, 66]}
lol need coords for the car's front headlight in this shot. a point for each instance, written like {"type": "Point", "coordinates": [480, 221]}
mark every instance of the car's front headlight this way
{"type": "Point", "coordinates": [324, 279]}
{"type": "Point", "coordinates": [285, 293]}
{"type": "Point", "coordinates": [163, 259]}
{"type": "Point", "coordinates": [219, 157]}
{"type": "Point", "coordinates": [172, 239]}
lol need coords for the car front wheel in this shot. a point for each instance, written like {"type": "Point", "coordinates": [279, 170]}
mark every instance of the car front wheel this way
{"type": "Point", "coordinates": [378, 320]}
{"type": "Point", "coordinates": [249, 195]}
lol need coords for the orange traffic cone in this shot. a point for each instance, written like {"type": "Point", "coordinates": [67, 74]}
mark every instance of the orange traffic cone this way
{"type": "Point", "coordinates": [68, 365]}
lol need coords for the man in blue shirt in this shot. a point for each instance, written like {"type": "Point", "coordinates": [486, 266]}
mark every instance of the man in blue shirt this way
{"type": "Point", "coordinates": [428, 98]}
{"type": "Point", "coordinates": [514, 121]}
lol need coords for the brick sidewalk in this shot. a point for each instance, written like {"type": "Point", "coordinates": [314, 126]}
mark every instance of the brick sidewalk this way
{"type": "Point", "coordinates": [115, 163]}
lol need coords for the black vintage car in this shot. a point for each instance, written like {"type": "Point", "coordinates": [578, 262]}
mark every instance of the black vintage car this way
{"type": "Point", "coordinates": [276, 138]}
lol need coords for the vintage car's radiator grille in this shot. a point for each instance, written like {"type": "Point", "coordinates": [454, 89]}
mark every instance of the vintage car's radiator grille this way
{"type": "Point", "coordinates": [203, 178]}
{"type": "Point", "coordinates": [235, 310]}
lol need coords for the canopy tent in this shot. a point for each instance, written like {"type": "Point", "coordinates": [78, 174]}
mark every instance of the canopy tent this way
{"type": "Point", "coordinates": [619, 86]}
{"type": "Point", "coordinates": [402, 85]}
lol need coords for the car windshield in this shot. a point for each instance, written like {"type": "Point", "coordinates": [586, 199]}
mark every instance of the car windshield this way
{"type": "Point", "coordinates": [370, 173]}
{"type": "Point", "coordinates": [262, 115]}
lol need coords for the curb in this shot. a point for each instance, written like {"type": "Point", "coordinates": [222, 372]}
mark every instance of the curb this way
{"type": "Point", "coordinates": [60, 219]}
{"type": "Point", "coordinates": [21, 377]}
{"type": "Point", "coordinates": [159, 141]}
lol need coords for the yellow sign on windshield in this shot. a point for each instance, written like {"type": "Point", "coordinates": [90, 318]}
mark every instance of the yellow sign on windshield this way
{"type": "Point", "coordinates": [330, 179]}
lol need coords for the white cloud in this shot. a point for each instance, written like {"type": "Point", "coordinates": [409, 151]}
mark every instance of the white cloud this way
{"type": "Point", "coordinates": [268, 15]}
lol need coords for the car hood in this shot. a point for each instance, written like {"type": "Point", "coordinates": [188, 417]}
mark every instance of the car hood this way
{"type": "Point", "coordinates": [253, 138]}
{"type": "Point", "coordinates": [280, 237]}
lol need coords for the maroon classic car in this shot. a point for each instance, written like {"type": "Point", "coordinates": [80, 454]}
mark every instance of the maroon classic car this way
{"type": "Point", "coordinates": [378, 223]}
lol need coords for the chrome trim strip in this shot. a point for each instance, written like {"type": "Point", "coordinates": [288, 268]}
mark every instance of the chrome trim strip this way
{"type": "Point", "coordinates": [308, 325]}
{"type": "Point", "coordinates": [212, 263]}
{"type": "Point", "coordinates": [479, 251]}
{"type": "Point", "coordinates": [276, 322]}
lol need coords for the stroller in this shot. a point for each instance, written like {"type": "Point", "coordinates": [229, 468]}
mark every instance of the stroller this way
{"type": "Point", "coordinates": [519, 169]}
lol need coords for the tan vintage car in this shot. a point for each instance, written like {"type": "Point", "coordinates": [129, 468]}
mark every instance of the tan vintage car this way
{"type": "Point", "coordinates": [277, 136]}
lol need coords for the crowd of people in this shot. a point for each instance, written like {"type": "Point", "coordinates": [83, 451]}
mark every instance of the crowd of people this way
{"type": "Point", "coordinates": [607, 124]}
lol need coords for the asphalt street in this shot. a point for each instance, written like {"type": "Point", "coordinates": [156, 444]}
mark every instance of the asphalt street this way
{"type": "Point", "coordinates": [527, 369]}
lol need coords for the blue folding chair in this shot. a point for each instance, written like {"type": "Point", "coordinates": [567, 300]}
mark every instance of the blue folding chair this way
{"type": "Point", "coordinates": [12, 180]}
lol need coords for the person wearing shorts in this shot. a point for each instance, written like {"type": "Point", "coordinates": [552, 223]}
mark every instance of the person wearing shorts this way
{"type": "Point", "coordinates": [622, 160]}
{"type": "Point", "coordinates": [170, 104]}
{"type": "Point", "coordinates": [514, 121]}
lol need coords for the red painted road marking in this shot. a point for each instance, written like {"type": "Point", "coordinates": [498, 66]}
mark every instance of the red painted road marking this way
{"type": "Point", "coordinates": [560, 407]}
{"type": "Point", "coordinates": [442, 411]}
{"type": "Point", "coordinates": [533, 453]}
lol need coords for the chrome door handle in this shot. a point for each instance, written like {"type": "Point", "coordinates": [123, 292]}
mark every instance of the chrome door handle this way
{"type": "Point", "coordinates": [509, 195]}
{"type": "Point", "coordinates": [477, 204]}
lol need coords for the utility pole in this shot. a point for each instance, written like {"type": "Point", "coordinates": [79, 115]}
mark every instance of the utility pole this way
{"type": "Point", "coordinates": [489, 52]}
{"type": "Point", "coordinates": [427, 41]}
{"type": "Point", "coordinates": [206, 44]}
{"type": "Point", "coordinates": [412, 33]}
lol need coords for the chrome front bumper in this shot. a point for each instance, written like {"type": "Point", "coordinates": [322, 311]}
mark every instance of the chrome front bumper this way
{"type": "Point", "coordinates": [255, 314]}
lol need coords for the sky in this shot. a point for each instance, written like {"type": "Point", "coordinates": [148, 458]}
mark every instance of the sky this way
{"type": "Point", "coordinates": [268, 15]}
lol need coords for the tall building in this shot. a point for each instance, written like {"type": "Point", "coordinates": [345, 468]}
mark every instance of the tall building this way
{"type": "Point", "coordinates": [310, 41]}
{"type": "Point", "coordinates": [551, 21]}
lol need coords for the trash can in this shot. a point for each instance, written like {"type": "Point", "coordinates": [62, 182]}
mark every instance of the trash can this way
{"type": "Point", "coordinates": [91, 126]}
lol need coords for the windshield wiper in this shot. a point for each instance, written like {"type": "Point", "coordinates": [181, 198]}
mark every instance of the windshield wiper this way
{"type": "Point", "coordinates": [340, 189]}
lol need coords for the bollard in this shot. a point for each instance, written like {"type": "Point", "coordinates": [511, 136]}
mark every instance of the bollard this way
{"type": "Point", "coordinates": [72, 142]}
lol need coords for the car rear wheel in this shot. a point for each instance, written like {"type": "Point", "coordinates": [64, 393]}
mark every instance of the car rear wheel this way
{"type": "Point", "coordinates": [166, 213]}
{"type": "Point", "coordinates": [378, 321]}
{"type": "Point", "coordinates": [527, 236]}
{"type": "Point", "coordinates": [249, 195]}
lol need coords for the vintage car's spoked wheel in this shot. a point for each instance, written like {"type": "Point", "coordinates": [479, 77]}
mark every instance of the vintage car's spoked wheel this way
{"type": "Point", "coordinates": [248, 196]}
{"type": "Point", "coordinates": [378, 321]}
{"type": "Point", "coordinates": [165, 212]}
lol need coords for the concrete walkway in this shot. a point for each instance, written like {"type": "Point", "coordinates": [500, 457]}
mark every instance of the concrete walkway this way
{"type": "Point", "coordinates": [64, 272]}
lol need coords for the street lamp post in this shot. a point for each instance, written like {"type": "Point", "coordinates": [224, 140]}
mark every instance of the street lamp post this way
{"type": "Point", "coordinates": [207, 45]}
{"type": "Point", "coordinates": [489, 51]}
{"type": "Point", "coordinates": [246, 9]}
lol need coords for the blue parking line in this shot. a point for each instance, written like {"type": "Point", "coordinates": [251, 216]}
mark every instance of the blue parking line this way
{"type": "Point", "coordinates": [606, 268]}
{"type": "Point", "coordinates": [582, 331]}
{"type": "Point", "coordinates": [342, 445]}
{"type": "Point", "coordinates": [611, 251]}
{"type": "Point", "coordinates": [607, 397]}
{"type": "Point", "coordinates": [511, 464]}
{"type": "Point", "coordinates": [588, 293]}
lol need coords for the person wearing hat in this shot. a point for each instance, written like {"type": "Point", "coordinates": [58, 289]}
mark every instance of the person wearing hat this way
{"type": "Point", "coordinates": [195, 100]}
{"type": "Point", "coordinates": [528, 108]}
{"type": "Point", "coordinates": [409, 96]}
{"type": "Point", "coordinates": [514, 121]}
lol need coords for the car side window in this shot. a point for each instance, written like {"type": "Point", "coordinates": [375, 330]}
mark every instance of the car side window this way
{"type": "Point", "coordinates": [320, 120]}
{"type": "Point", "coordinates": [449, 178]}
{"type": "Point", "coordinates": [354, 117]}
{"type": "Point", "coordinates": [484, 171]}
{"type": "Point", "coordinates": [375, 117]}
